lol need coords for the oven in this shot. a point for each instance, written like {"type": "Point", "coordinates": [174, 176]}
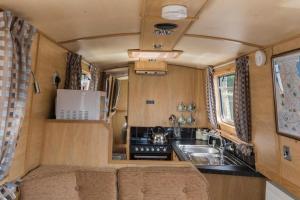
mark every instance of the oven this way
{"type": "Point", "coordinates": [150, 152]}
{"type": "Point", "coordinates": [142, 146]}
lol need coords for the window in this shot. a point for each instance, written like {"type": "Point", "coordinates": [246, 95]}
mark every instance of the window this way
{"type": "Point", "coordinates": [226, 84]}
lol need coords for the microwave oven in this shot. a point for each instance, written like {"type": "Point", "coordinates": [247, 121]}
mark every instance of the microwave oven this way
{"type": "Point", "coordinates": [80, 105]}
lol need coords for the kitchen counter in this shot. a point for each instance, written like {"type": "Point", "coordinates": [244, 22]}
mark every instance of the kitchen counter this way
{"type": "Point", "coordinates": [237, 170]}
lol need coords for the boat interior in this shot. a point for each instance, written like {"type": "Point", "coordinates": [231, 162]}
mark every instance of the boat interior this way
{"type": "Point", "coordinates": [149, 100]}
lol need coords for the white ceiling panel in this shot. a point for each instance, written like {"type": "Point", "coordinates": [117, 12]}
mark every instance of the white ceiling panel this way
{"type": "Point", "coordinates": [69, 19]}
{"type": "Point", "coordinates": [203, 52]}
{"type": "Point", "coordinates": [262, 22]}
{"type": "Point", "coordinates": [106, 52]}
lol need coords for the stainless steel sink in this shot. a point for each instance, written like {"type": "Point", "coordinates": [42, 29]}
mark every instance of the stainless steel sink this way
{"type": "Point", "coordinates": [198, 149]}
{"type": "Point", "coordinates": [205, 155]}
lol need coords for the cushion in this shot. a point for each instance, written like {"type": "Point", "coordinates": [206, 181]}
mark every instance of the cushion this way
{"type": "Point", "coordinates": [157, 183]}
{"type": "Point", "coordinates": [49, 170]}
{"type": "Point", "coordinates": [97, 185]}
{"type": "Point", "coordinates": [58, 187]}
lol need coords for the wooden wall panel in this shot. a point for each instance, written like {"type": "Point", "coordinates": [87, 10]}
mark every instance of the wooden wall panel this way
{"type": "Point", "coordinates": [118, 119]}
{"type": "Point", "coordinates": [123, 98]}
{"type": "Point", "coordinates": [78, 143]}
{"type": "Point", "coordinates": [200, 98]}
{"type": "Point", "coordinates": [179, 85]}
{"type": "Point", "coordinates": [265, 138]}
{"type": "Point", "coordinates": [50, 58]}
{"type": "Point", "coordinates": [290, 170]}
{"type": "Point", "coordinates": [267, 143]}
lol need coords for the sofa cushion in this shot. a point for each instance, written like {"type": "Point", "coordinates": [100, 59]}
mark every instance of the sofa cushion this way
{"type": "Point", "coordinates": [156, 183]}
{"type": "Point", "coordinates": [97, 185]}
{"type": "Point", "coordinates": [49, 170]}
{"type": "Point", "coordinates": [58, 187]}
{"type": "Point", "coordinates": [92, 183]}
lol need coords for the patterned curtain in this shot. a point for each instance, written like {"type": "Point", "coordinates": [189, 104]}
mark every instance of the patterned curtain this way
{"type": "Point", "coordinates": [15, 66]}
{"type": "Point", "coordinates": [241, 100]}
{"type": "Point", "coordinates": [210, 98]}
{"type": "Point", "coordinates": [73, 72]}
{"type": "Point", "coordinates": [94, 78]}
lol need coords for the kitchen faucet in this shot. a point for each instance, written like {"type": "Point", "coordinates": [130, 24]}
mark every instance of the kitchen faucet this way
{"type": "Point", "coordinates": [223, 143]}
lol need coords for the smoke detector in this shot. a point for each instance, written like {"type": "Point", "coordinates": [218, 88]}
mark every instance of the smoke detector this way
{"type": "Point", "coordinates": [174, 12]}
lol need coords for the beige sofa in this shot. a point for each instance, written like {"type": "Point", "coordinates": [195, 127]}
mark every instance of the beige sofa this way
{"type": "Point", "coordinates": [130, 183]}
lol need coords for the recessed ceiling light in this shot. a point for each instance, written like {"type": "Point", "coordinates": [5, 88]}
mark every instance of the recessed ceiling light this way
{"type": "Point", "coordinates": [159, 55]}
{"type": "Point", "coordinates": [174, 12]}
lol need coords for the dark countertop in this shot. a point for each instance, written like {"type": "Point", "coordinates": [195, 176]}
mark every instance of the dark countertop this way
{"type": "Point", "coordinates": [237, 170]}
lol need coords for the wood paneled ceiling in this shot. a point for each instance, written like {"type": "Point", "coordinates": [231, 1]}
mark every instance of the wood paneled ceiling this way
{"type": "Point", "coordinates": [103, 30]}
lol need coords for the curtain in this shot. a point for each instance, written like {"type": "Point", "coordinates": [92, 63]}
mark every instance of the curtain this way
{"type": "Point", "coordinates": [73, 72]}
{"type": "Point", "coordinates": [210, 98]}
{"type": "Point", "coordinates": [94, 78]}
{"type": "Point", "coordinates": [241, 100]}
{"type": "Point", "coordinates": [15, 66]}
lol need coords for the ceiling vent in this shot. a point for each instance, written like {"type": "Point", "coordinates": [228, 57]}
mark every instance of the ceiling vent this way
{"type": "Point", "coordinates": [164, 29]}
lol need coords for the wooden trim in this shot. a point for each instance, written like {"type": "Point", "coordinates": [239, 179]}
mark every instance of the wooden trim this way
{"type": "Point", "coordinates": [231, 59]}
{"type": "Point", "coordinates": [283, 54]}
{"type": "Point", "coordinates": [192, 22]}
{"type": "Point", "coordinates": [222, 38]}
{"type": "Point", "coordinates": [98, 37]}
{"type": "Point", "coordinates": [31, 101]}
{"type": "Point", "coordinates": [75, 121]}
{"type": "Point", "coordinates": [225, 70]}
{"type": "Point", "coordinates": [232, 137]}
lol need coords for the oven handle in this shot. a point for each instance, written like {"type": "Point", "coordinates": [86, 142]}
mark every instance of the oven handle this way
{"type": "Point", "coordinates": [153, 157]}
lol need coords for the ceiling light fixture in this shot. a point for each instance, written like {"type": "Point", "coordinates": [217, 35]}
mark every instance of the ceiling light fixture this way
{"type": "Point", "coordinates": [174, 12]}
{"type": "Point", "coordinates": [158, 55]}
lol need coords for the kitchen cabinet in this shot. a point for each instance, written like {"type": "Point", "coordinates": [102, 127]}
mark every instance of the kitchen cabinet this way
{"type": "Point", "coordinates": [227, 187]}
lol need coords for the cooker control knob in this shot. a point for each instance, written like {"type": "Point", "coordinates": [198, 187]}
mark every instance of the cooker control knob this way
{"type": "Point", "coordinates": [152, 149]}
{"type": "Point", "coordinates": [136, 149]}
{"type": "Point", "coordinates": [147, 149]}
{"type": "Point", "coordinates": [157, 149]}
{"type": "Point", "coordinates": [165, 149]}
{"type": "Point", "coordinates": [142, 148]}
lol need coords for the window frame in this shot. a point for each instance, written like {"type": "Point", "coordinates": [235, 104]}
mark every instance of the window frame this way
{"type": "Point", "coordinates": [223, 120]}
